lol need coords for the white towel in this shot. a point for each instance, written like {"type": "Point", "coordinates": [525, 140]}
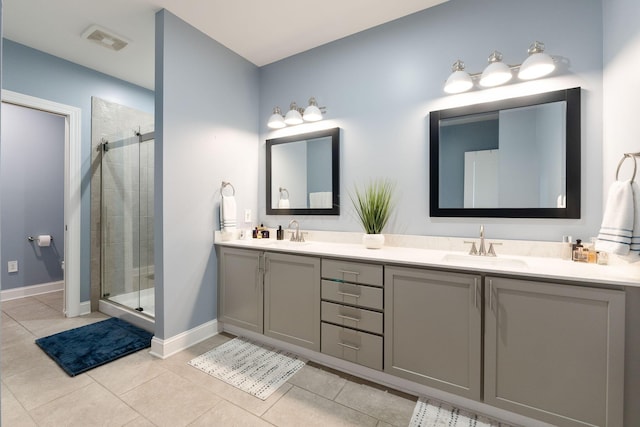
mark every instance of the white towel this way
{"type": "Point", "coordinates": [228, 213]}
{"type": "Point", "coordinates": [321, 200]}
{"type": "Point", "coordinates": [634, 249]}
{"type": "Point", "coordinates": [283, 204]}
{"type": "Point", "coordinates": [620, 230]}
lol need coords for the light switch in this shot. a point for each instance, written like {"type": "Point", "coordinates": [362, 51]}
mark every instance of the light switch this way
{"type": "Point", "coordinates": [12, 266]}
{"type": "Point", "coordinates": [247, 215]}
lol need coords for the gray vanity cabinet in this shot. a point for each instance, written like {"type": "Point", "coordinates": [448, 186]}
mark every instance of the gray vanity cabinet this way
{"type": "Point", "coordinates": [292, 299]}
{"type": "Point", "coordinates": [272, 293]}
{"type": "Point", "coordinates": [353, 312]}
{"type": "Point", "coordinates": [240, 300]}
{"type": "Point", "coordinates": [433, 326]}
{"type": "Point", "coordinates": [555, 352]}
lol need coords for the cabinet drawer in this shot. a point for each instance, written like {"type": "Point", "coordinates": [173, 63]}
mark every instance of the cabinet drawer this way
{"type": "Point", "coordinates": [364, 296]}
{"type": "Point", "coordinates": [354, 346]}
{"type": "Point", "coordinates": [352, 317]}
{"type": "Point", "coordinates": [356, 272]}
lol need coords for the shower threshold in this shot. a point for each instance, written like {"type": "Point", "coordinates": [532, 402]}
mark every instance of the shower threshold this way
{"type": "Point", "coordinates": [114, 309]}
{"type": "Point", "coordinates": [144, 303]}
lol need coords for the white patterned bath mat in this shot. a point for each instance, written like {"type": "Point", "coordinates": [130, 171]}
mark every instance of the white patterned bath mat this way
{"type": "Point", "coordinates": [254, 368]}
{"type": "Point", "coordinates": [431, 413]}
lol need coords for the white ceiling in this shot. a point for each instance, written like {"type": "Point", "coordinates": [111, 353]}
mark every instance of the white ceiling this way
{"type": "Point", "coordinates": [254, 29]}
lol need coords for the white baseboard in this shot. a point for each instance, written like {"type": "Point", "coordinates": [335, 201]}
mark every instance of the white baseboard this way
{"type": "Point", "coordinates": [170, 346]}
{"type": "Point", "coordinates": [29, 291]}
{"type": "Point", "coordinates": [85, 308]}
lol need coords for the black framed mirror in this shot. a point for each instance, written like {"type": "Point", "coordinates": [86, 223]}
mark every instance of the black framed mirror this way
{"type": "Point", "coordinates": [303, 174]}
{"type": "Point", "coordinates": [513, 158]}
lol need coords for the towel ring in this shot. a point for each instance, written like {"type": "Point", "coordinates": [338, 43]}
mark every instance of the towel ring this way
{"type": "Point", "coordinates": [635, 165]}
{"type": "Point", "coordinates": [284, 190]}
{"type": "Point", "coordinates": [225, 184]}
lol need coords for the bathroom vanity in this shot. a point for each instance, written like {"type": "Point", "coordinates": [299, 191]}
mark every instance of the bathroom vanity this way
{"type": "Point", "coordinates": [539, 337]}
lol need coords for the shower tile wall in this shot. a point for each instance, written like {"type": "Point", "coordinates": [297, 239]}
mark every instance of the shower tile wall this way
{"type": "Point", "coordinates": [125, 205]}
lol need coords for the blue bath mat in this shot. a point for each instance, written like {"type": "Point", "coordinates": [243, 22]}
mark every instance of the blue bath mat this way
{"type": "Point", "coordinates": [87, 347]}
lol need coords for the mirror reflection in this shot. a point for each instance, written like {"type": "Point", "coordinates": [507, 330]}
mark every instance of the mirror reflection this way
{"type": "Point", "coordinates": [527, 142]}
{"type": "Point", "coordinates": [302, 174]}
{"type": "Point", "coordinates": [511, 158]}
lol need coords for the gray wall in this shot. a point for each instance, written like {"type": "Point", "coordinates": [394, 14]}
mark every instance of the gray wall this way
{"type": "Point", "coordinates": [35, 73]}
{"type": "Point", "coordinates": [379, 86]}
{"type": "Point", "coordinates": [206, 122]}
{"type": "Point", "coordinates": [32, 186]}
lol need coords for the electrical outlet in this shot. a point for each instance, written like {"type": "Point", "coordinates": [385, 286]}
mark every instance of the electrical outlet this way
{"type": "Point", "coordinates": [12, 266]}
{"type": "Point", "coordinates": [247, 215]}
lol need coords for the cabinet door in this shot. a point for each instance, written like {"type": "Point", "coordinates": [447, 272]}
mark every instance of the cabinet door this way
{"type": "Point", "coordinates": [240, 288]}
{"type": "Point", "coordinates": [555, 352]}
{"type": "Point", "coordinates": [292, 299]}
{"type": "Point", "coordinates": [432, 329]}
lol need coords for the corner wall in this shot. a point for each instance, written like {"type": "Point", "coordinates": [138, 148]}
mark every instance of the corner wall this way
{"type": "Point", "coordinates": [621, 43]}
{"type": "Point", "coordinates": [621, 99]}
{"type": "Point", "coordinates": [206, 133]}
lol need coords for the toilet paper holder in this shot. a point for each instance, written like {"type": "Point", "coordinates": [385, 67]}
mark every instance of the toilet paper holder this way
{"type": "Point", "coordinates": [33, 239]}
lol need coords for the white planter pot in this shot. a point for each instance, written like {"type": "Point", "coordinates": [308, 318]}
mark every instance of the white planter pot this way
{"type": "Point", "coordinates": [373, 241]}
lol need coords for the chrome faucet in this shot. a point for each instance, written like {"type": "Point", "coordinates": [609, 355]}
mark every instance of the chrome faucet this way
{"type": "Point", "coordinates": [482, 251]}
{"type": "Point", "coordinates": [296, 237]}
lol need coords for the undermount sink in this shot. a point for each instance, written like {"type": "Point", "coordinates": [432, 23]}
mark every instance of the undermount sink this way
{"type": "Point", "coordinates": [496, 261]}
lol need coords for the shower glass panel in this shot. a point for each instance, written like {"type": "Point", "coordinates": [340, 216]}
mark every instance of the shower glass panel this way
{"type": "Point", "coordinates": [127, 221]}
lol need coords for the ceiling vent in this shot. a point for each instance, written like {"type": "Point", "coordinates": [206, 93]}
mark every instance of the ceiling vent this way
{"type": "Point", "coordinates": [105, 38]}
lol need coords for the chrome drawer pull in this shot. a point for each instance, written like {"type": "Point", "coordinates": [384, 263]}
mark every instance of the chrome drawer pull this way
{"type": "Point", "coordinates": [342, 316]}
{"type": "Point", "coordinates": [352, 347]}
{"type": "Point", "coordinates": [345, 294]}
{"type": "Point", "coordinates": [355, 273]}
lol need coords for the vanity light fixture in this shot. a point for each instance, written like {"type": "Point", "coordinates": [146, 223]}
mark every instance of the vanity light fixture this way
{"type": "Point", "coordinates": [459, 80]}
{"type": "Point", "coordinates": [293, 116]}
{"type": "Point", "coordinates": [312, 113]}
{"type": "Point", "coordinates": [296, 115]}
{"type": "Point", "coordinates": [538, 64]}
{"type": "Point", "coordinates": [496, 73]}
{"type": "Point", "coordinates": [276, 121]}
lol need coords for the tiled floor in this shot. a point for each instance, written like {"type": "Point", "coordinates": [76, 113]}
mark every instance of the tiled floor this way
{"type": "Point", "coordinates": [140, 390]}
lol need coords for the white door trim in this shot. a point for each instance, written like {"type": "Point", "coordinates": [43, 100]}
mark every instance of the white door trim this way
{"type": "Point", "coordinates": [72, 190]}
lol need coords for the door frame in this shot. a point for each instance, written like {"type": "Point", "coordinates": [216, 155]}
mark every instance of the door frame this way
{"type": "Point", "coordinates": [72, 190]}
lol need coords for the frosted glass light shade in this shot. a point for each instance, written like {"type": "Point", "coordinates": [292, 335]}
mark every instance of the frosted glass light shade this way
{"type": "Point", "coordinates": [312, 114]}
{"type": "Point", "coordinates": [276, 121]}
{"type": "Point", "coordinates": [535, 66]}
{"type": "Point", "coordinates": [495, 74]}
{"type": "Point", "coordinates": [458, 82]}
{"type": "Point", "coordinates": [293, 116]}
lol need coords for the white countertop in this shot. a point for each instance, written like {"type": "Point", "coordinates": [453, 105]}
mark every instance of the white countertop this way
{"type": "Point", "coordinates": [551, 268]}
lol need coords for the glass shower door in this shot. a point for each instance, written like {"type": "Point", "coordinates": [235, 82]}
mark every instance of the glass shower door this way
{"type": "Point", "coordinates": [127, 221]}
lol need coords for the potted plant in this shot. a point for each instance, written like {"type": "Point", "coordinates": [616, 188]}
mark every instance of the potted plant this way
{"type": "Point", "coordinates": [373, 204]}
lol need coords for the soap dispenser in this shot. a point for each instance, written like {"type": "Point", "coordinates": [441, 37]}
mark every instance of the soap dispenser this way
{"type": "Point", "coordinates": [280, 233]}
{"type": "Point", "coordinates": [578, 252]}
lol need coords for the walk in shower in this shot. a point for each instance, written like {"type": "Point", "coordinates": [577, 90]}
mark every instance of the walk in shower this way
{"type": "Point", "coordinates": [125, 153]}
{"type": "Point", "coordinates": [127, 222]}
